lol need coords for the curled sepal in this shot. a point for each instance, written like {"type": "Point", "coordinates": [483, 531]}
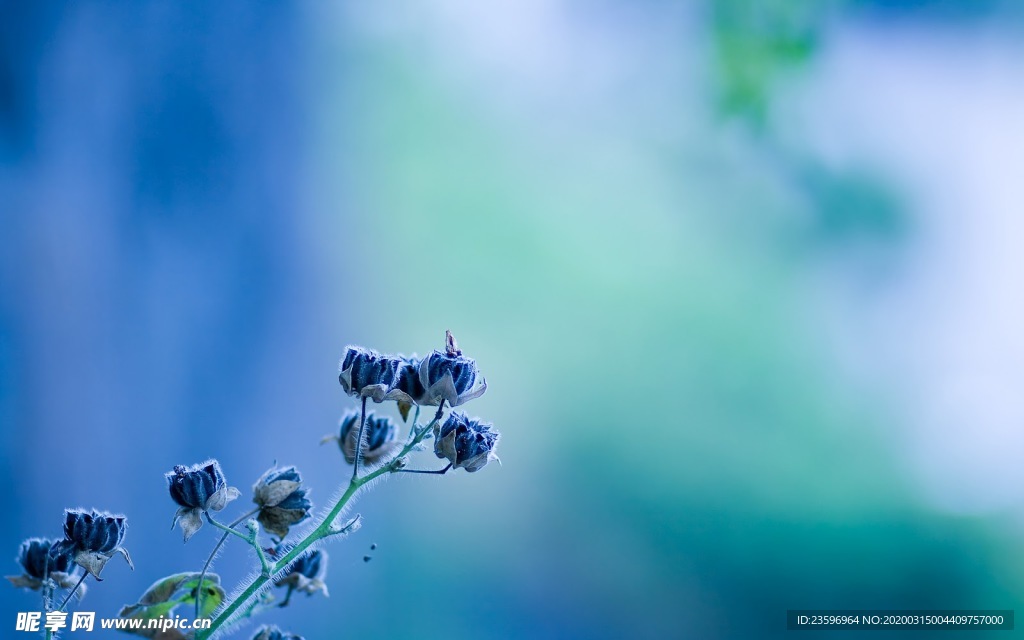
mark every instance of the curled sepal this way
{"type": "Point", "coordinates": [273, 633]}
{"type": "Point", "coordinates": [466, 442]}
{"type": "Point", "coordinates": [191, 520]}
{"type": "Point", "coordinates": [94, 561]}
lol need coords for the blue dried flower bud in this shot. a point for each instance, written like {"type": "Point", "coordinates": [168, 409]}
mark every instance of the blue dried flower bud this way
{"type": "Point", "coordinates": [94, 531]}
{"type": "Point", "coordinates": [380, 433]}
{"type": "Point", "coordinates": [367, 374]}
{"type": "Point", "coordinates": [466, 442]}
{"type": "Point", "coordinates": [407, 388]}
{"type": "Point", "coordinates": [306, 574]}
{"type": "Point", "coordinates": [42, 559]}
{"type": "Point", "coordinates": [282, 500]}
{"type": "Point", "coordinates": [93, 537]}
{"type": "Point", "coordinates": [34, 555]}
{"type": "Point", "coordinates": [449, 376]}
{"type": "Point", "coordinates": [197, 489]}
{"type": "Point", "coordinates": [273, 633]}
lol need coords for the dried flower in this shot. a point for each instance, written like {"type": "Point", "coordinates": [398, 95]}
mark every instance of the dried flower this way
{"type": "Point", "coordinates": [450, 377]}
{"type": "Point", "coordinates": [41, 559]}
{"type": "Point", "coordinates": [196, 490]}
{"type": "Point", "coordinates": [407, 387]}
{"type": "Point", "coordinates": [282, 500]}
{"type": "Point", "coordinates": [466, 442]}
{"type": "Point", "coordinates": [273, 633]}
{"type": "Point", "coordinates": [380, 434]}
{"type": "Point", "coordinates": [306, 574]}
{"type": "Point", "coordinates": [367, 374]}
{"type": "Point", "coordinates": [92, 538]}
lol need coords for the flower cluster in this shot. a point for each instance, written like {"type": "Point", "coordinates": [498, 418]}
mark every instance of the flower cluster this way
{"type": "Point", "coordinates": [293, 561]}
{"type": "Point", "coordinates": [278, 494]}
{"type": "Point", "coordinates": [91, 538]}
{"type": "Point", "coordinates": [443, 376]}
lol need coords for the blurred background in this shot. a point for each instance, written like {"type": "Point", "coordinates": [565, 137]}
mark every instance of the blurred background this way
{"type": "Point", "coordinates": [744, 278]}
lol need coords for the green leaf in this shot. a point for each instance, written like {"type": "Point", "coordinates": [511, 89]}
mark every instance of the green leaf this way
{"type": "Point", "coordinates": [213, 594]}
{"type": "Point", "coordinates": [167, 593]}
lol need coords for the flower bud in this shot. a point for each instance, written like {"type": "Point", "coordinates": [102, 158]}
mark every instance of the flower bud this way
{"type": "Point", "coordinates": [273, 633]}
{"type": "Point", "coordinates": [92, 538]}
{"type": "Point", "coordinates": [407, 387]}
{"type": "Point", "coordinates": [282, 500]}
{"type": "Point", "coordinates": [450, 377]}
{"type": "Point", "coordinates": [306, 574]}
{"type": "Point", "coordinates": [198, 489]}
{"type": "Point", "coordinates": [367, 374]}
{"type": "Point", "coordinates": [41, 559]}
{"type": "Point", "coordinates": [466, 442]}
{"type": "Point", "coordinates": [380, 434]}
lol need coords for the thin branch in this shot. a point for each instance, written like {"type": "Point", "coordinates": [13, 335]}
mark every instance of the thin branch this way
{"type": "Point", "coordinates": [209, 560]}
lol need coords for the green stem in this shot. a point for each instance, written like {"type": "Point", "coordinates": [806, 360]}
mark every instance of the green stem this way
{"type": "Point", "coordinates": [323, 530]}
{"type": "Point", "coordinates": [225, 528]}
{"type": "Point", "coordinates": [415, 420]}
{"type": "Point", "coordinates": [359, 442]}
{"type": "Point", "coordinates": [252, 539]}
{"type": "Point", "coordinates": [85, 574]}
{"type": "Point", "coordinates": [220, 543]}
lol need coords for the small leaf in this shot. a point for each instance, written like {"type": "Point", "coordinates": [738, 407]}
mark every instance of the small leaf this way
{"type": "Point", "coordinates": [404, 408]}
{"type": "Point", "coordinates": [163, 589]}
{"type": "Point", "coordinates": [167, 593]}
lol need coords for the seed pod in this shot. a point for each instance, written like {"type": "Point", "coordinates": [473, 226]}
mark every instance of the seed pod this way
{"type": "Point", "coordinates": [195, 490]}
{"type": "Point", "coordinates": [282, 500]}
{"type": "Point", "coordinates": [364, 373]}
{"type": "Point", "coordinates": [92, 538]}
{"type": "Point", "coordinates": [380, 433]}
{"type": "Point", "coordinates": [450, 376]}
{"type": "Point", "coordinates": [466, 442]}
{"type": "Point", "coordinates": [42, 559]}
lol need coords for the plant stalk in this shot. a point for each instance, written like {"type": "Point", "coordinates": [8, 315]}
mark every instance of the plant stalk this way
{"type": "Point", "coordinates": [323, 530]}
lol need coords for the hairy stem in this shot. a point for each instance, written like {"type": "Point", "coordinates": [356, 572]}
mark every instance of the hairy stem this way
{"type": "Point", "coordinates": [359, 441]}
{"type": "Point", "coordinates": [252, 539]}
{"type": "Point", "coordinates": [73, 591]}
{"type": "Point", "coordinates": [415, 421]}
{"type": "Point", "coordinates": [220, 543]}
{"type": "Point", "coordinates": [322, 530]}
